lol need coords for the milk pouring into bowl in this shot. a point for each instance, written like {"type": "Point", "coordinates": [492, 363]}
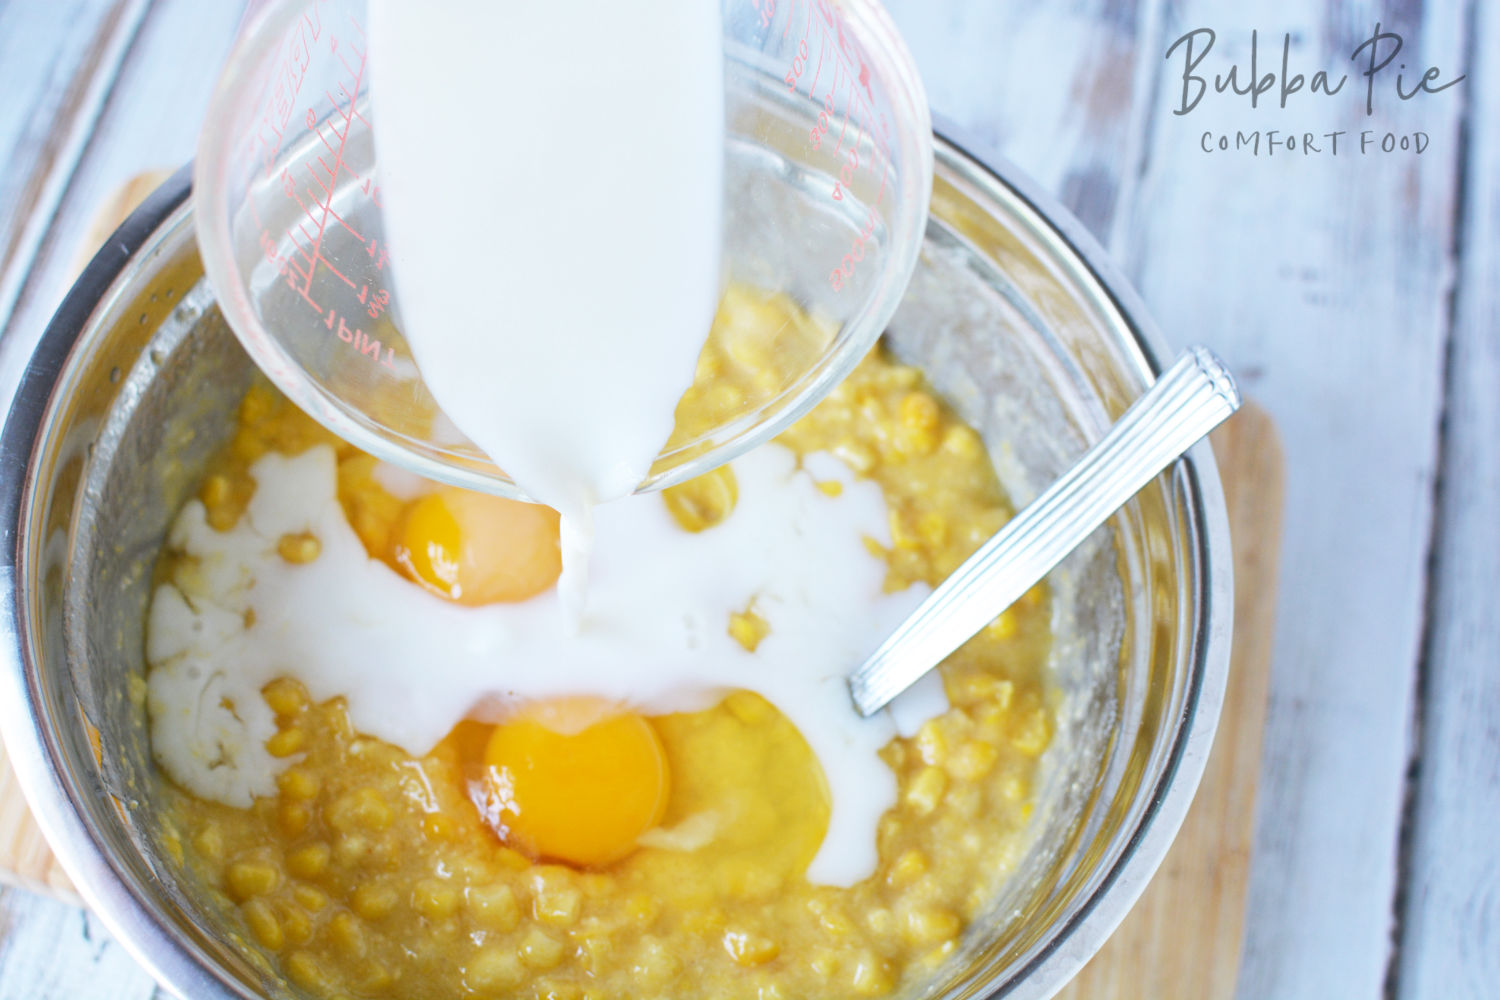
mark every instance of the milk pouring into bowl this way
{"type": "Point", "coordinates": [567, 371]}
{"type": "Point", "coordinates": [559, 355]}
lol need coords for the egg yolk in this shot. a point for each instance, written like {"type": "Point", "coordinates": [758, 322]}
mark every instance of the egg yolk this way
{"type": "Point", "coordinates": [578, 793]}
{"type": "Point", "coordinates": [474, 548]}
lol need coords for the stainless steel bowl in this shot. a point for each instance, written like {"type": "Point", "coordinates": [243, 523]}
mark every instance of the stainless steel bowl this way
{"type": "Point", "coordinates": [1014, 314]}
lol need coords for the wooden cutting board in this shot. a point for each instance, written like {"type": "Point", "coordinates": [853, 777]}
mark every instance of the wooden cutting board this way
{"type": "Point", "coordinates": [1183, 938]}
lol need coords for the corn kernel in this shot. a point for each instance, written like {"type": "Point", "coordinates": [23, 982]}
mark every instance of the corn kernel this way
{"type": "Point", "coordinates": [374, 978]}
{"type": "Point", "coordinates": [836, 921]}
{"type": "Point", "coordinates": [937, 956]}
{"type": "Point", "coordinates": [1013, 788]}
{"type": "Point", "coordinates": [296, 926]}
{"type": "Point", "coordinates": [927, 790]}
{"type": "Point", "coordinates": [929, 925]}
{"type": "Point", "coordinates": [1030, 734]}
{"type": "Point", "coordinates": [286, 742]}
{"type": "Point", "coordinates": [365, 809]}
{"type": "Point", "coordinates": [642, 908]}
{"type": "Point", "coordinates": [919, 411]}
{"type": "Point", "coordinates": [962, 442]}
{"type": "Point", "coordinates": [304, 970]}
{"type": "Point", "coordinates": [558, 906]}
{"type": "Point", "coordinates": [967, 800]}
{"type": "Point", "coordinates": [216, 491]}
{"type": "Point", "coordinates": [209, 842]}
{"type": "Point", "coordinates": [831, 488]}
{"type": "Point", "coordinates": [494, 905]}
{"type": "Point", "coordinates": [595, 951]}
{"type": "Point", "coordinates": [932, 745]}
{"type": "Point", "coordinates": [296, 783]}
{"type": "Point", "coordinates": [909, 442]}
{"type": "Point", "coordinates": [299, 549]}
{"type": "Point", "coordinates": [494, 969]}
{"type": "Point", "coordinates": [338, 720]}
{"type": "Point", "coordinates": [748, 628]}
{"type": "Point", "coordinates": [309, 898]}
{"type": "Point", "coordinates": [972, 687]}
{"type": "Point", "coordinates": [258, 403]}
{"type": "Point", "coordinates": [824, 961]}
{"type": "Point", "coordinates": [911, 864]}
{"type": "Point", "coordinates": [655, 962]}
{"type": "Point", "coordinates": [703, 502]}
{"type": "Point", "coordinates": [285, 696]}
{"type": "Point", "coordinates": [932, 528]}
{"type": "Point", "coordinates": [263, 924]}
{"type": "Point", "coordinates": [973, 760]}
{"type": "Point", "coordinates": [309, 861]}
{"type": "Point", "coordinates": [351, 849]}
{"type": "Point", "coordinates": [709, 366]}
{"type": "Point", "coordinates": [292, 818]}
{"type": "Point", "coordinates": [870, 977]}
{"type": "Point", "coordinates": [749, 949]}
{"type": "Point", "coordinates": [539, 950]}
{"type": "Point", "coordinates": [856, 456]}
{"type": "Point", "coordinates": [246, 879]}
{"type": "Point", "coordinates": [995, 712]}
{"type": "Point", "coordinates": [223, 517]}
{"type": "Point", "coordinates": [557, 991]}
{"type": "Point", "coordinates": [348, 935]}
{"type": "Point", "coordinates": [902, 535]}
{"type": "Point", "coordinates": [434, 899]}
{"type": "Point", "coordinates": [702, 921]}
{"type": "Point", "coordinates": [373, 900]}
{"type": "Point", "coordinates": [881, 921]}
{"type": "Point", "coordinates": [1005, 625]}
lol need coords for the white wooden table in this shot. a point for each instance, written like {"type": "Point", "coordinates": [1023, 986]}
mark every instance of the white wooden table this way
{"type": "Point", "coordinates": [1357, 294]}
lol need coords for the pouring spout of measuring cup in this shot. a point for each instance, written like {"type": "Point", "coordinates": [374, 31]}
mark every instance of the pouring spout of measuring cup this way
{"type": "Point", "coordinates": [1190, 399]}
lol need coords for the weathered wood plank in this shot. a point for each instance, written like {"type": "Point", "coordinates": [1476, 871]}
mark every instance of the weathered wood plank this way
{"type": "Point", "coordinates": [150, 120]}
{"type": "Point", "coordinates": [1324, 281]}
{"type": "Point", "coordinates": [52, 950]}
{"type": "Point", "coordinates": [1450, 940]}
{"type": "Point", "coordinates": [1058, 87]}
{"type": "Point", "coordinates": [70, 54]}
{"type": "Point", "coordinates": [1183, 938]}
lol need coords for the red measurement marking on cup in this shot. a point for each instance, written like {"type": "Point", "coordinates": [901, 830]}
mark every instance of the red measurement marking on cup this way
{"type": "Point", "coordinates": [318, 211]}
{"type": "Point", "coordinates": [847, 93]}
{"type": "Point", "coordinates": [316, 252]}
{"type": "Point", "coordinates": [362, 342]}
{"type": "Point", "coordinates": [767, 11]}
{"type": "Point", "coordinates": [284, 85]}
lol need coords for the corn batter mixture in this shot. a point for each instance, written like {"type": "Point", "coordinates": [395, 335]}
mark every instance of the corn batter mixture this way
{"type": "Point", "coordinates": [374, 874]}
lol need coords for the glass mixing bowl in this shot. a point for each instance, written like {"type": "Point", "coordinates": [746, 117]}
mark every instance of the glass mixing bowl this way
{"type": "Point", "coordinates": [828, 165]}
{"type": "Point", "coordinates": [1013, 314]}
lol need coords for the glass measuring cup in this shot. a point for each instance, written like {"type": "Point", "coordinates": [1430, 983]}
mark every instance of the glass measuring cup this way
{"type": "Point", "coordinates": [828, 171]}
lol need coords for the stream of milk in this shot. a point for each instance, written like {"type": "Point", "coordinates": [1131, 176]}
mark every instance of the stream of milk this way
{"type": "Point", "coordinates": [556, 283]}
